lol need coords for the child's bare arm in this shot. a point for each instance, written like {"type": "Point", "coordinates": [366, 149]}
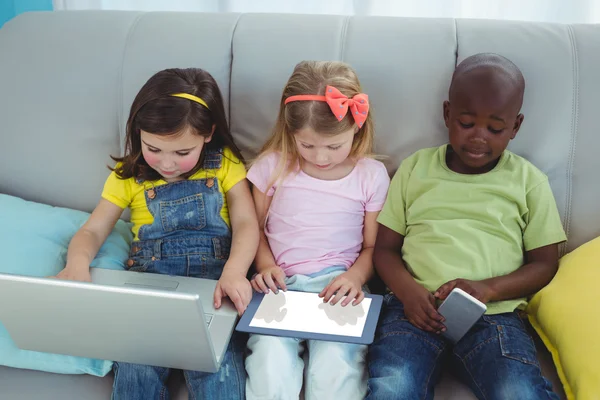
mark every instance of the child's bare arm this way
{"type": "Point", "coordinates": [388, 262]}
{"type": "Point", "coordinates": [540, 267]}
{"type": "Point", "coordinates": [87, 241]}
{"type": "Point", "coordinates": [419, 304]}
{"type": "Point", "coordinates": [363, 266]}
{"type": "Point", "coordinates": [244, 227]}
{"type": "Point", "coordinates": [264, 257]}
{"type": "Point", "coordinates": [269, 275]}
{"type": "Point", "coordinates": [233, 282]}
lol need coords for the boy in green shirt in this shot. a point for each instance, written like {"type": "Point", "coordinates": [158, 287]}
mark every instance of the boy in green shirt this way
{"type": "Point", "coordinates": [469, 215]}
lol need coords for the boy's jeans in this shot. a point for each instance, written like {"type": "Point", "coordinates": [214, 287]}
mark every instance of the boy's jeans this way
{"type": "Point", "coordinates": [275, 364]}
{"type": "Point", "coordinates": [496, 359]}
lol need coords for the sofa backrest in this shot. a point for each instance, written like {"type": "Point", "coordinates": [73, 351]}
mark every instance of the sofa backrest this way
{"type": "Point", "coordinates": [67, 80]}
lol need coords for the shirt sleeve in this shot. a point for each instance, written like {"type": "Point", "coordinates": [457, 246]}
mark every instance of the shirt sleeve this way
{"type": "Point", "coordinates": [543, 220]}
{"type": "Point", "coordinates": [232, 170]}
{"type": "Point", "coordinates": [261, 173]}
{"type": "Point", "coordinates": [117, 191]}
{"type": "Point", "coordinates": [379, 188]}
{"type": "Point", "coordinates": [393, 214]}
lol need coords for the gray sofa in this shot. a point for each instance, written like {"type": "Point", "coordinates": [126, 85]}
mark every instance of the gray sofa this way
{"type": "Point", "coordinates": [67, 80]}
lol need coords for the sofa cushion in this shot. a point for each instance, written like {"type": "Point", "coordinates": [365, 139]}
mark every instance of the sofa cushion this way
{"type": "Point", "coordinates": [564, 315]}
{"type": "Point", "coordinates": [34, 239]}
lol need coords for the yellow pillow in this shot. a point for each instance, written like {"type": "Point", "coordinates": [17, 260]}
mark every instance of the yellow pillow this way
{"type": "Point", "coordinates": [566, 315]}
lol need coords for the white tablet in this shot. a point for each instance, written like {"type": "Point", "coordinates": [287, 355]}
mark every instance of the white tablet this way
{"type": "Point", "coordinates": [305, 316]}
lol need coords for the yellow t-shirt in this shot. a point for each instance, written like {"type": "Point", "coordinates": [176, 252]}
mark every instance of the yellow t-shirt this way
{"type": "Point", "coordinates": [470, 226]}
{"type": "Point", "coordinates": [128, 193]}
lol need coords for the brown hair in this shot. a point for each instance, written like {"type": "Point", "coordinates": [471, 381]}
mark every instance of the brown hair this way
{"type": "Point", "coordinates": [311, 77]}
{"type": "Point", "coordinates": [155, 110]}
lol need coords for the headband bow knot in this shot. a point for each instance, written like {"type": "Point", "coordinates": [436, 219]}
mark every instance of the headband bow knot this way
{"type": "Point", "coordinates": [340, 104]}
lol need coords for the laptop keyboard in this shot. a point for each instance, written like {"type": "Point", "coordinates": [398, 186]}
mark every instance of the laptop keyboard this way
{"type": "Point", "coordinates": [208, 318]}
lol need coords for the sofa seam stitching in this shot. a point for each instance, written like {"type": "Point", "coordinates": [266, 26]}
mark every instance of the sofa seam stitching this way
{"type": "Point", "coordinates": [343, 38]}
{"type": "Point", "coordinates": [456, 42]}
{"type": "Point", "coordinates": [120, 88]}
{"type": "Point", "coordinates": [574, 126]}
{"type": "Point", "coordinates": [229, 100]}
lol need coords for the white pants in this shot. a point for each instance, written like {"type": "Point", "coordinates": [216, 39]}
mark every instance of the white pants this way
{"type": "Point", "coordinates": [275, 365]}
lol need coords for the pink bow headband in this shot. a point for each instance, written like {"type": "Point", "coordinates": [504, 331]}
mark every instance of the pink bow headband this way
{"type": "Point", "coordinates": [339, 104]}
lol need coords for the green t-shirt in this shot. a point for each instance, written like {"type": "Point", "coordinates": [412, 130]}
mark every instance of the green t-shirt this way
{"type": "Point", "coordinates": [470, 226]}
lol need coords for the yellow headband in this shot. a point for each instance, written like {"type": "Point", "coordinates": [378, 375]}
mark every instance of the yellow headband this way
{"type": "Point", "coordinates": [192, 98]}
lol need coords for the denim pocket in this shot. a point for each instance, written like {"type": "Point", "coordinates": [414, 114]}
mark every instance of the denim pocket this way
{"type": "Point", "coordinates": [501, 332]}
{"type": "Point", "coordinates": [516, 344]}
{"type": "Point", "coordinates": [186, 213]}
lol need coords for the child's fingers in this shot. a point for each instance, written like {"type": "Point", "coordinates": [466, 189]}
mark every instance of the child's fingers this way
{"type": "Point", "coordinates": [235, 297]}
{"type": "Point", "coordinates": [432, 319]}
{"type": "Point", "coordinates": [469, 289]}
{"type": "Point", "coordinates": [445, 290]}
{"type": "Point", "coordinates": [414, 323]}
{"type": "Point", "coordinates": [416, 319]}
{"type": "Point", "coordinates": [255, 285]}
{"type": "Point", "coordinates": [431, 300]}
{"type": "Point", "coordinates": [419, 323]}
{"type": "Point", "coordinates": [340, 293]}
{"type": "Point", "coordinates": [428, 324]}
{"type": "Point", "coordinates": [258, 279]}
{"type": "Point", "coordinates": [325, 289]}
{"type": "Point", "coordinates": [359, 298]}
{"type": "Point", "coordinates": [351, 296]}
{"type": "Point", "coordinates": [333, 287]}
{"type": "Point", "coordinates": [280, 278]}
{"type": "Point", "coordinates": [270, 284]}
{"type": "Point", "coordinates": [218, 295]}
{"type": "Point", "coordinates": [432, 311]}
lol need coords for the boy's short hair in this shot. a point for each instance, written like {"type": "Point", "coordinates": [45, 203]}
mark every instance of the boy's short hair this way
{"type": "Point", "coordinates": [502, 65]}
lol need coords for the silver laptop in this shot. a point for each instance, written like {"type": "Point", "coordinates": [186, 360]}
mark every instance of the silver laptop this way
{"type": "Point", "coordinates": [141, 318]}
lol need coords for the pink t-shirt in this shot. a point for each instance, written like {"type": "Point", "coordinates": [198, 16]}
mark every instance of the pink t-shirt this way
{"type": "Point", "coordinates": [313, 224]}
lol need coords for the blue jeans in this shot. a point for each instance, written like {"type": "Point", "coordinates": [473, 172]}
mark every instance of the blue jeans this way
{"type": "Point", "coordinates": [144, 382]}
{"type": "Point", "coordinates": [496, 359]}
{"type": "Point", "coordinates": [276, 367]}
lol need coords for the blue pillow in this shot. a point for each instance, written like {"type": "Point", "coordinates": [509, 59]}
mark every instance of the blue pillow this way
{"type": "Point", "coordinates": [34, 239]}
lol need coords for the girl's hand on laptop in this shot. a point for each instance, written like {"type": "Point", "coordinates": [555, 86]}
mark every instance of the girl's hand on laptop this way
{"type": "Point", "coordinates": [235, 286]}
{"type": "Point", "coordinates": [346, 284]}
{"type": "Point", "coordinates": [478, 289]}
{"type": "Point", "coordinates": [272, 278]}
{"type": "Point", "coordinates": [74, 274]}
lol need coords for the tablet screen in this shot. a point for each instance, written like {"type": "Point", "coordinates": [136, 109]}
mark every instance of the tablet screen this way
{"type": "Point", "coordinates": [306, 312]}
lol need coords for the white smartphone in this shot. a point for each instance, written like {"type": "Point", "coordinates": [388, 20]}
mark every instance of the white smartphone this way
{"type": "Point", "coordinates": [461, 311]}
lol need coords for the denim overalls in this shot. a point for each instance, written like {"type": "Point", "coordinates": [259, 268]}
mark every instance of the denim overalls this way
{"type": "Point", "coordinates": [187, 238]}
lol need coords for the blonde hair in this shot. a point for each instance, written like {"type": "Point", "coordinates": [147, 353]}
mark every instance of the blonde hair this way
{"type": "Point", "coordinates": [311, 77]}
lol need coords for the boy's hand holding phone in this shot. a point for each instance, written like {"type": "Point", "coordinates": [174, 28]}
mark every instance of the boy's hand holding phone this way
{"type": "Point", "coordinates": [461, 311]}
{"type": "Point", "coordinates": [420, 308]}
{"type": "Point", "coordinates": [478, 289]}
